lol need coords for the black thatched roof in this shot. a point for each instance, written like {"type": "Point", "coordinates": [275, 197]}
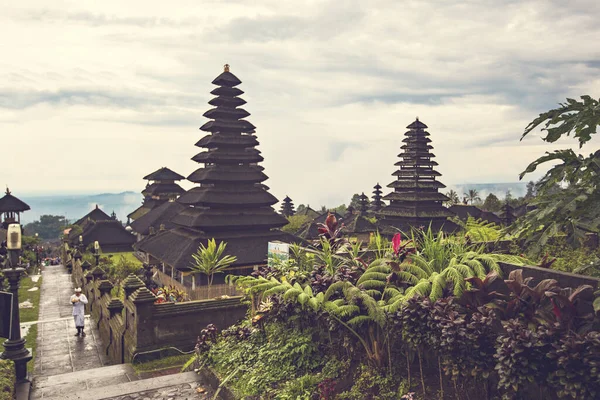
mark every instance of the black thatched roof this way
{"type": "Point", "coordinates": [490, 217]}
{"type": "Point", "coordinates": [108, 233]}
{"type": "Point", "coordinates": [463, 211]}
{"type": "Point", "coordinates": [415, 199]}
{"type": "Point", "coordinates": [10, 203]}
{"type": "Point", "coordinates": [359, 224]}
{"type": "Point", "coordinates": [228, 173]}
{"type": "Point", "coordinates": [162, 189]}
{"type": "Point", "coordinates": [95, 215]}
{"type": "Point", "coordinates": [156, 217]}
{"type": "Point", "coordinates": [322, 217]}
{"type": "Point", "coordinates": [309, 212]}
{"type": "Point", "coordinates": [164, 174]}
{"type": "Point", "coordinates": [175, 247]}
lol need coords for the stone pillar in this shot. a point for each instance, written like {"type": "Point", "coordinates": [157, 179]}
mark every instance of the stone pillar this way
{"type": "Point", "coordinates": [143, 299]}
{"type": "Point", "coordinates": [104, 287]}
{"type": "Point", "coordinates": [115, 307]}
{"type": "Point", "coordinates": [14, 347]}
{"type": "Point", "coordinates": [131, 284]}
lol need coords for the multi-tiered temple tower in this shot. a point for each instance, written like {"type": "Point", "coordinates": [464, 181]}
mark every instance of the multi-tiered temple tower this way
{"type": "Point", "coordinates": [230, 203]}
{"type": "Point", "coordinates": [287, 207]}
{"type": "Point", "coordinates": [415, 201]}
{"type": "Point", "coordinates": [377, 204]}
{"type": "Point", "coordinates": [161, 188]}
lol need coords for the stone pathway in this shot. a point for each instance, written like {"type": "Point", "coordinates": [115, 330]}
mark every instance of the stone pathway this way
{"type": "Point", "coordinates": [75, 368]}
{"type": "Point", "coordinates": [58, 350]}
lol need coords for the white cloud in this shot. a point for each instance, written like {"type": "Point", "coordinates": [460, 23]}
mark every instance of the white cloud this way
{"type": "Point", "coordinates": [96, 95]}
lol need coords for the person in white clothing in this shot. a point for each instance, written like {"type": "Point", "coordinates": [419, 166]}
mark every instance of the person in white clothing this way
{"type": "Point", "coordinates": [79, 301]}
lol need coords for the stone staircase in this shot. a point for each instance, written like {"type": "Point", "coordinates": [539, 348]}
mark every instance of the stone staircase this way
{"type": "Point", "coordinates": [117, 382]}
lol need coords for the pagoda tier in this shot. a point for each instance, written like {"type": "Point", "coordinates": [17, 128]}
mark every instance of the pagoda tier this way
{"type": "Point", "coordinates": [230, 202]}
{"type": "Point", "coordinates": [415, 201]}
{"type": "Point", "coordinates": [161, 187]}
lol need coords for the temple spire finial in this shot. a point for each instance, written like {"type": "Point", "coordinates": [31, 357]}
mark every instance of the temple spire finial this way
{"type": "Point", "coordinates": [226, 68]}
{"type": "Point", "coordinates": [7, 190]}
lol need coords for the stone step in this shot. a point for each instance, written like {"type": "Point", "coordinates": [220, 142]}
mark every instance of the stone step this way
{"type": "Point", "coordinates": [108, 389]}
{"type": "Point", "coordinates": [62, 385]}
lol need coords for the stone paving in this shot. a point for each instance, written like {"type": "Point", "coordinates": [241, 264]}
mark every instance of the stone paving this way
{"type": "Point", "coordinates": [58, 350]}
{"type": "Point", "coordinates": [186, 391]}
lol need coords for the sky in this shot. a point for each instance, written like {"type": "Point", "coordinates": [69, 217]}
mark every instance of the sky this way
{"type": "Point", "coordinates": [94, 95]}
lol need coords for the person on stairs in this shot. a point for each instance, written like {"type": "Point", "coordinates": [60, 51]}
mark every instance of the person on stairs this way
{"type": "Point", "coordinates": [79, 301]}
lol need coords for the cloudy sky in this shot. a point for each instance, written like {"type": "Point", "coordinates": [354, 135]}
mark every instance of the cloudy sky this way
{"type": "Point", "coordinates": [96, 94]}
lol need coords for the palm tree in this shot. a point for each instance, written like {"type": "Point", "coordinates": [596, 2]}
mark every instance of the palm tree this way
{"type": "Point", "coordinates": [453, 196]}
{"type": "Point", "coordinates": [208, 260]}
{"type": "Point", "coordinates": [472, 196]}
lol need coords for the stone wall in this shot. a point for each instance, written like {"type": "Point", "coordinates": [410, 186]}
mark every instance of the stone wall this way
{"type": "Point", "coordinates": [565, 279]}
{"type": "Point", "coordinates": [134, 327]}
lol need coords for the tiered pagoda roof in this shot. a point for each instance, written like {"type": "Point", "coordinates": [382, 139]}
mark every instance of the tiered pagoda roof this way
{"type": "Point", "coordinates": [161, 188]}
{"type": "Point", "coordinates": [230, 203]}
{"type": "Point", "coordinates": [95, 215]}
{"type": "Point", "coordinates": [287, 207]}
{"type": "Point", "coordinates": [11, 209]}
{"type": "Point", "coordinates": [415, 201]}
{"type": "Point", "coordinates": [363, 204]}
{"type": "Point", "coordinates": [377, 204]}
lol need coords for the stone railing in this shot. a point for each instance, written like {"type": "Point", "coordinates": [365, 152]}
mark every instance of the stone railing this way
{"type": "Point", "coordinates": [134, 327]}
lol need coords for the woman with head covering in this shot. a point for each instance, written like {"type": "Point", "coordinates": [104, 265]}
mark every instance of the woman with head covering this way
{"type": "Point", "coordinates": [79, 301]}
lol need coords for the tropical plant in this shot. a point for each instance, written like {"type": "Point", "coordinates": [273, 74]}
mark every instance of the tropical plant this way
{"type": "Point", "coordinates": [209, 260]}
{"type": "Point", "coordinates": [331, 232]}
{"type": "Point", "coordinates": [444, 261]}
{"type": "Point", "coordinates": [575, 209]}
{"type": "Point", "coordinates": [472, 196]}
{"type": "Point", "coordinates": [380, 245]}
{"type": "Point", "coordinates": [295, 223]}
{"type": "Point", "coordinates": [521, 357]}
{"type": "Point", "coordinates": [169, 294]}
{"type": "Point", "coordinates": [453, 198]}
{"type": "Point", "coordinates": [576, 359]}
{"type": "Point", "coordinates": [492, 203]}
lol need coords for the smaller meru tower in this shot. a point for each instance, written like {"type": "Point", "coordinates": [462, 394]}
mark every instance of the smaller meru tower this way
{"type": "Point", "coordinates": [415, 201]}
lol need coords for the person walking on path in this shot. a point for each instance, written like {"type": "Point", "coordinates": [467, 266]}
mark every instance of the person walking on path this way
{"type": "Point", "coordinates": [79, 301]}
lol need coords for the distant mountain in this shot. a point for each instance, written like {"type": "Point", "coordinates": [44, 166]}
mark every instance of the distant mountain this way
{"type": "Point", "coordinates": [74, 207]}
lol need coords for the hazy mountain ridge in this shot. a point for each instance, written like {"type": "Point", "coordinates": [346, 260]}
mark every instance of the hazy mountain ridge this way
{"type": "Point", "coordinates": [76, 206]}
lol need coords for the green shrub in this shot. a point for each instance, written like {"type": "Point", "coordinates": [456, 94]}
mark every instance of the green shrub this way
{"type": "Point", "coordinates": [267, 360]}
{"type": "Point", "coordinates": [7, 380]}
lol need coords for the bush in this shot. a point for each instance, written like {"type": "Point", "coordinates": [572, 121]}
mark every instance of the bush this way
{"type": "Point", "coordinates": [7, 380]}
{"type": "Point", "coordinates": [266, 360]}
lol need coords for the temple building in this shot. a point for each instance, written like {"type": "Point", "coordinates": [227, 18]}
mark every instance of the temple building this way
{"type": "Point", "coordinates": [161, 188]}
{"type": "Point", "coordinates": [358, 226]}
{"type": "Point", "coordinates": [230, 202]}
{"type": "Point", "coordinates": [11, 209]}
{"type": "Point", "coordinates": [159, 205]}
{"type": "Point", "coordinates": [10, 212]}
{"type": "Point", "coordinates": [415, 201]}
{"type": "Point", "coordinates": [287, 207]}
{"type": "Point", "coordinates": [99, 226]}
